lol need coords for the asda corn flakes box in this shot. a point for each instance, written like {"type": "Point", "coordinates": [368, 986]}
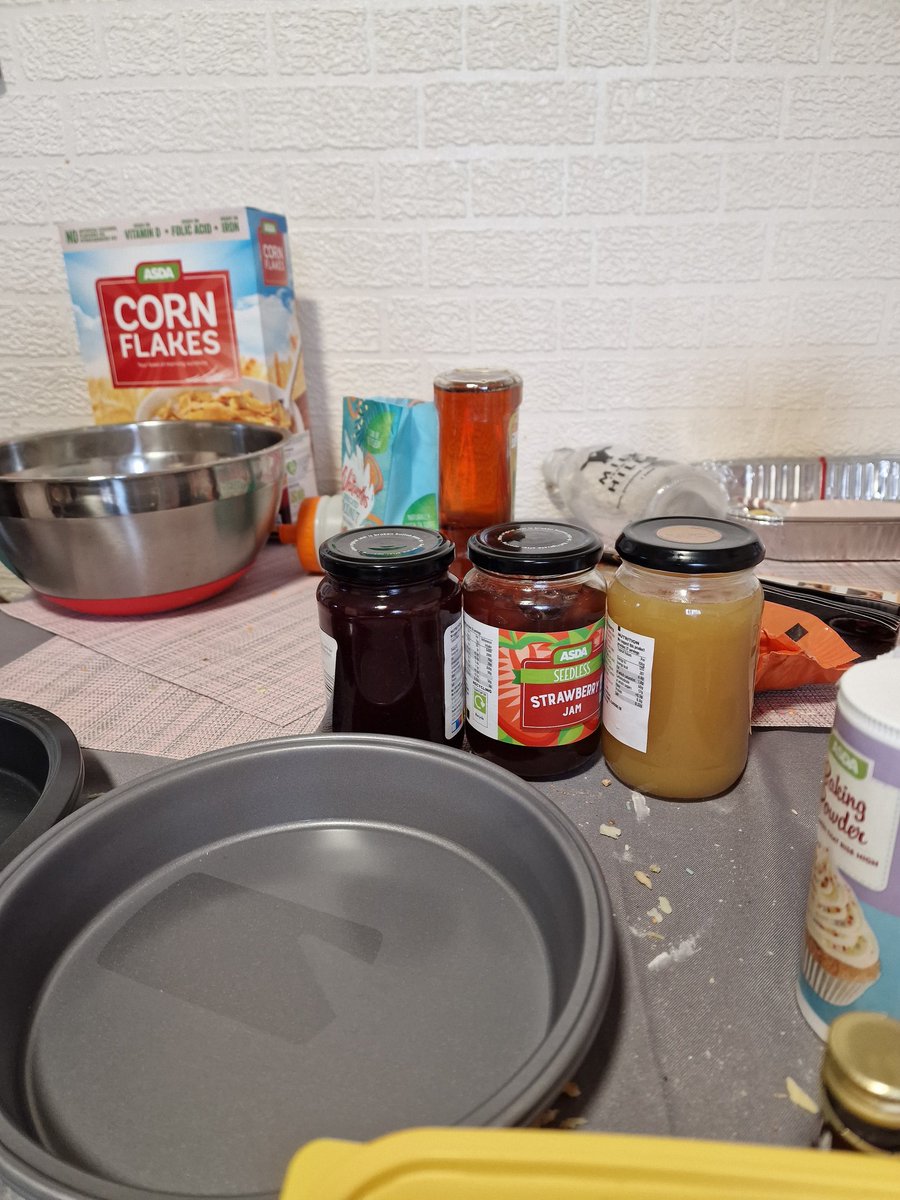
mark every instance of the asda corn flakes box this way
{"type": "Point", "coordinates": [193, 317]}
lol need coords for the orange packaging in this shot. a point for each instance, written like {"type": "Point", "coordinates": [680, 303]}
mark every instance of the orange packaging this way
{"type": "Point", "coordinates": [797, 648]}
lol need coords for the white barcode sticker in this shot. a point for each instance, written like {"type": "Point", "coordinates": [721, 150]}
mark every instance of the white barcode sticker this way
{"type": "Point", "coordinates": [454, 690]}
{"type": "Point", "coordinates": [626, 689]}
{"type": "Point", "coordinates": [329, 663]}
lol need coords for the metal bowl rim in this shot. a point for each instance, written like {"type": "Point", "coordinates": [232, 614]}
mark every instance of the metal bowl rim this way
{"type": "Point", "coordinates": [16, 477]}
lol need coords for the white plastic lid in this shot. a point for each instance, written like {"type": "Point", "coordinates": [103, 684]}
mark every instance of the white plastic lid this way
{"type": "Point", "coordinates": [869, 695]}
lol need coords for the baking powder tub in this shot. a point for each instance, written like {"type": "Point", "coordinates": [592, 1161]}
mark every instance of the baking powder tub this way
{"type": "Point", "coordinates": [851, 941]}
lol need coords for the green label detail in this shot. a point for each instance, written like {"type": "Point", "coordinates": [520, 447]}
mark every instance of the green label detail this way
{"type": "Point", "coordinates": [423, 512]}
{"type": "Point", "coordinates": [160, 272]}
{"type": "Point", "coordinates": [851, 762]}
{"type": "Point", "coordinates": [558, 674]}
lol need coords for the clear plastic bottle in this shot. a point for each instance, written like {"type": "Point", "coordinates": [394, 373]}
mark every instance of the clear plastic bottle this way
{"type": "Point", "coordinates": [606, 487]}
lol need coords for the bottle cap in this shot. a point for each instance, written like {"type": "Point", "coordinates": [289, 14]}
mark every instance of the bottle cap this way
{"type": "Point", "coordinates": [861, 1067]}
{"type": "Point", "coordinates": [477, 379]}
{"type": "Point", "coordinates": [318, 517]}
{"type": "Point", "coordinates": [689, 545]}
{"type": "Point", "coordinates": [869, 696]}
{"type": "Point", "coordinates": [386, 554]}
{"type": "Point", "coordinates": [307, 543]}
{"type": "Point", "coordinates": [535, 548]}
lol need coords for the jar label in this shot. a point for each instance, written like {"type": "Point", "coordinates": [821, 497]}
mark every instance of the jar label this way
{"type": "Point", "coordinates": [329, 664]}
{"type": "Point", "coordinates": [454, 692]}
{"type": "Point", "coordinates": [533, 689]}
{"type": "Point", "coordinates": [851, 946]}
{"type": "Point", "coordinates": [626, 695]}
{"type": "Point", "coordinates": [612, 472]}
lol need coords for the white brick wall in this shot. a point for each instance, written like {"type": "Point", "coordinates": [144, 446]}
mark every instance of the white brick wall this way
{"type": "Point", "coordinates": [677, 218]}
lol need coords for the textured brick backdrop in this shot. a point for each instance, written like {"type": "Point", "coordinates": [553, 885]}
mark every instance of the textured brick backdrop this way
{"type": "Point", "coordinates": [677, 218]}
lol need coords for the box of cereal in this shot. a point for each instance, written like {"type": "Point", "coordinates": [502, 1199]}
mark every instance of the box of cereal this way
{"type": "Point", "coordinates": [193, 317]}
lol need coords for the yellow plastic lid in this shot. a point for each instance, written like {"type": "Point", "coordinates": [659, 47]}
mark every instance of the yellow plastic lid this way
{"type": "Point", "coordinates": [536, 1164]}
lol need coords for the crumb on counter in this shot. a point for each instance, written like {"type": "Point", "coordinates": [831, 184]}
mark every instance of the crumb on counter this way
{"type": "Point", "coordinates": [798, 1096]}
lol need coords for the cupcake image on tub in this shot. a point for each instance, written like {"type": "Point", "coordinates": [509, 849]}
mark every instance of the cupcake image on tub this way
{"type": "Point", "coordinates": [840, 956]}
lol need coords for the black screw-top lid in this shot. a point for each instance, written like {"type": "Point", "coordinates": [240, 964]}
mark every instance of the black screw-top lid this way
{"type": "Point", "coordinates": [386, 554]}
{"type": "Point", "coordinates": [690, 545]}
{"type": "Point", "coordinates": [534, 548]}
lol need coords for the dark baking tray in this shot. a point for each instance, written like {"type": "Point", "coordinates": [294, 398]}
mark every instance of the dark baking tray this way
{"type": "Point", "coordinates": [333, 935]}
{"type": "Point", "coordinates": [41, 772]}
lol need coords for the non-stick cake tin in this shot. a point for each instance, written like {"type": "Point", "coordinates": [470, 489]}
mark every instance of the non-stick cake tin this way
{"type": "Point", "coordinates": [332, 935]}
{"type": "Point", "coordinates": [41, 773]}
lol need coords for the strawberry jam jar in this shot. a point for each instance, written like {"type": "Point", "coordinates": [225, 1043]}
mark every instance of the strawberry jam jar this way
{"type": "Point", "coordinates": [534, 609]}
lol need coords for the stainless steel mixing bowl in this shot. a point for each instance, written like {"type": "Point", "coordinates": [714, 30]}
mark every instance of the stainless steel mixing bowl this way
{"type": "Point", "coordinates": [138, 518]}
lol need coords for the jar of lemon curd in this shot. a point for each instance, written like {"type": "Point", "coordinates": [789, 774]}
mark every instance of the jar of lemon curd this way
{"type": "Point", "coordinates": [683, 618]}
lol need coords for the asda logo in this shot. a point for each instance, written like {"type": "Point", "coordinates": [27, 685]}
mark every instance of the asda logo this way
{"type": "Point", "coordinates": [852, 763]}
{"type": "Point", "coordinates": [161, 272]}
{"type": "Point", "coordinates": [572, 653]}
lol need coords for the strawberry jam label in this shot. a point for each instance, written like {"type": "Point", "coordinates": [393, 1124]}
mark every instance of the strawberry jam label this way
{"type": "Point", "coordinates": [533, 689]}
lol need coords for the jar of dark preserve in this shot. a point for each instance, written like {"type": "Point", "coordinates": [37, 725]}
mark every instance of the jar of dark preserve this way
{"type": "Point", "coordinates": [390, 617]}
{"type": "Point", "coordinates": [534, 609]}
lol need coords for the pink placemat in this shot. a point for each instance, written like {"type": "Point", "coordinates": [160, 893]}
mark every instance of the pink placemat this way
{"type": "Point", "coordinates": [110, 706]}
{"type": "Point", "coordinates": [254, 649]}
{"type": "Point", "coordinates": [809, 707]}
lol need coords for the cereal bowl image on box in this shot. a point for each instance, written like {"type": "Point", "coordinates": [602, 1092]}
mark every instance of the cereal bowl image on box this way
{"type": "Point", "coordinates": [251, 401]}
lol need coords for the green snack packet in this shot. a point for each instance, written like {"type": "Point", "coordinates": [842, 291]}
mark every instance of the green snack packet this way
{"type": "Point", "coordinates": [389, 462]}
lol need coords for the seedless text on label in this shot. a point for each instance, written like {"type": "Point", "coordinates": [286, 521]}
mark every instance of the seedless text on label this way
{"type": "Point", "coordinates": [626, 697]}
{"type": "Point", "coordinates": [533, 689]}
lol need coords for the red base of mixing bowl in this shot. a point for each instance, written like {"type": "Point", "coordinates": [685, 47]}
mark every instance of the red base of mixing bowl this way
{"type": "Point", "coordinates": [139, 606]}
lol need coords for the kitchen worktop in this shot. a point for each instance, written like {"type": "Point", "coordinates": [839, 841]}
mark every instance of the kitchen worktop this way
{"type": "Point", "coordinates": [703, 1027]}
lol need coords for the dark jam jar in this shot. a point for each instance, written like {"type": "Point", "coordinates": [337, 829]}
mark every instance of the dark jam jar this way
{"type": "Point", "coordinates": [390, 617]}
{"type": "Point", "coordinates": [534, 609]}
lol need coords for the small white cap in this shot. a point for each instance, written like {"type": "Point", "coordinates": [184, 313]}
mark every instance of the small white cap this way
{"type": "Point", "coordinates": [869, 695]}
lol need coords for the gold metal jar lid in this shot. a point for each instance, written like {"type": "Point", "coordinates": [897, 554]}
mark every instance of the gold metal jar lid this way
{"type": "Point", "coordinates": [861, 1068]}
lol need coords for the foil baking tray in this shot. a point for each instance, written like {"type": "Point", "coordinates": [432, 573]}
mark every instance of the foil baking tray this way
{"type": "Point", "coordinates": [840, 509]}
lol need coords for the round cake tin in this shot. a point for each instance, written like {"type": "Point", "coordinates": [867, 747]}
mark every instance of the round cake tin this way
{"type": "Point", "coordinates": [332, 935]}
